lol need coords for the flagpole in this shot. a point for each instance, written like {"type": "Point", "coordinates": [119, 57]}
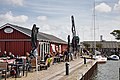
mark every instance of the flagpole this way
{"type": "Point", "coordinates": [36, 64]}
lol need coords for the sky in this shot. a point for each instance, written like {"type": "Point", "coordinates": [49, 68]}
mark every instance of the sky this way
{"type": "Point", "coordinates": [54, 17]}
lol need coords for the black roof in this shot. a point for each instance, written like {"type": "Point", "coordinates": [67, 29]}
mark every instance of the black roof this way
{"type": "Point", "coordinates": [41, 36]}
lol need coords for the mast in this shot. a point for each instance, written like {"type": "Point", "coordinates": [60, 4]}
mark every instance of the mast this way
{"type": "Point", "coordinates": [94, 27]}
{"type": "Point", "coordinates": [73, 33]}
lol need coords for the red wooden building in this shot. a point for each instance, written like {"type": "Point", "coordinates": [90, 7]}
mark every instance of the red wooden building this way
{"type": "Point", "coordinates": [17, 40]}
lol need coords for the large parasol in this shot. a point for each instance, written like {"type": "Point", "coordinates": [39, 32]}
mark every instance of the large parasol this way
{"type": "Point", "coordinates": [73, 27]}
{"type": "Point", "coordinates": [34, 40]}
{"type": "Point", "coordinates": [34, 52]}
{"type": "Point", "coordinates": [75, 39]}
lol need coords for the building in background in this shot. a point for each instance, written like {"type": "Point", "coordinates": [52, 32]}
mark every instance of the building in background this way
{"type": "Point", "coordinates": [105, 47]}
{"type": "Point", "coordinates": [17, 40]}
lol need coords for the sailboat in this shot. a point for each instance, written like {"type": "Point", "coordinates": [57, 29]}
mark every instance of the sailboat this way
{"type": "Point", "coordinates": [98, 57]}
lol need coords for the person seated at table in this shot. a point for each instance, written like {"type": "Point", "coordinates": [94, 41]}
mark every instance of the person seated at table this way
{"type": "Point", "coordinates": [28, 60]}
{"type": "Point", "coordinates": [28, 57]}
{"type": "Point", "coordinates": [61, 55]}
{"type": "Point", "coordinates": [46, 56]}
{"type": "Point", "coordinates": [50, 59]}
{"type": "Point", "coordinates": [65, 55]}
{"type": "Point", "coordinates": [4, 54]}
{"type": "Point", "coordinates": [85, 51]}
{"type": "Point", "coordinates": [57, 53]}
{"type": "Point", "coordinates": [11, 55]}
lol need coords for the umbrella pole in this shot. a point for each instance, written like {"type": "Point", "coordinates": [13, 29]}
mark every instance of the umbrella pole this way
{"type": "Point", "coordinates": [36, 69]}
{"type": "Point", "coordinates": [36, 53]}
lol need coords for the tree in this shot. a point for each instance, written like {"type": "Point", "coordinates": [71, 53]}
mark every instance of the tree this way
{"type": "Point", "coordinates": [99, 46]}
{"type": "Point", "coordinates": [86, 45]}
{"type": "Point", "coordinates": [116, 33]}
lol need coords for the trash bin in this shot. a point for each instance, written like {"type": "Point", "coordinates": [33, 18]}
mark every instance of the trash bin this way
{"type": "Point", "coordinates": [67, 68]}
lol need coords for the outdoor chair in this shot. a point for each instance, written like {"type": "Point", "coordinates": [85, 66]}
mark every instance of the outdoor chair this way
{"type": "Point", "coordinates": [43, 65]}
{"type": "Point", "coordinates": [4, 69]}
{"type": "Point", "coordinates": [38, 59]}
{"type": "Point", "coordinates": [33, 64]}
{"type": "Point", "coordinates": [56, 59]}
{"type": "Point", "coordinates": [17, 68]}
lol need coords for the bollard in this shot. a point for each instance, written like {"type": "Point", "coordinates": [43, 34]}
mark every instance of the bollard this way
{"type": "Point", "coordinates": [119, 73]}
{"type": "Point", "coordinates": [67, 68]}
{"type": "Point", "coordinates": [84, 60]}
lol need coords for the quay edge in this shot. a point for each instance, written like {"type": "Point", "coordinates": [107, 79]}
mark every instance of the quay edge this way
{"type": "Point", "coordinates": [87, 75]}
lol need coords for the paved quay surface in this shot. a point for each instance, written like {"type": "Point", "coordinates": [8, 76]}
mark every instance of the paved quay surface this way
{"type": "Point", "coordinates": [79, 72]}
{"type": "Point", "coordinates": [57, 71]}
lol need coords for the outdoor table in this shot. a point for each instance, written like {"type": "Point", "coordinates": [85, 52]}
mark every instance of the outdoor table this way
{"type": "Point", "coordinates": [17, 68]}
{"type": "Point", "coordinates": [7, 60]}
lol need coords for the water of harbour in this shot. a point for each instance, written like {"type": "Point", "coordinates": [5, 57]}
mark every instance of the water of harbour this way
{"type": "Point", "coordinates": [107, 71]}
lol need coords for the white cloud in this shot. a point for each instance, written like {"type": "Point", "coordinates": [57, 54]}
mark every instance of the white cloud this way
{"type": "Point", "coordinates": [45, 27]}
{"type": "Point", "coordinates": [103, 7]}
{"type": "Point", "coordinates": [117, 6]}
{"type": "Point", "coordinates": [9, 17]}
{"type": "Point", "coordinates": [57, 30]}
{"type": "Point", "coordinates": [14, 2]}
{"type": "Point", "coordinates": [42, 18]}
{"type": "Point", "coordinates": [17, 2]}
